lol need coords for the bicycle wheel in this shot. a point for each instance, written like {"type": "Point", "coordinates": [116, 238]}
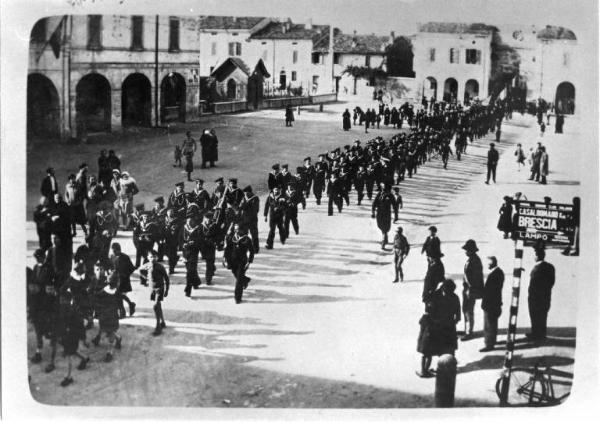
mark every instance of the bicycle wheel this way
{"type": "Point", "coordinates": [523, 391]}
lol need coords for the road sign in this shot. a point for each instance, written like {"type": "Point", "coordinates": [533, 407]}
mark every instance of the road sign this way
{"type": "Point", "coordinates": [552, 223]}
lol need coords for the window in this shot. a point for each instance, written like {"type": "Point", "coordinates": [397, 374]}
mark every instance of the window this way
{"type": "Point", "coordinates": [316, 58]}
{"type": "Point", "coordinates": [368, 60]}
{"type": "Point", "coordinates": [294, 75]}
{"type": "Point", "coordinates": [336, 58]}
{"type": "Point", "coordinates": [294, 43]}
{"type": "Point", "coordinates": [454, 55]}
{"type": "Point", "coordinates": [565, 59]}
{"type": "Point", "coordinates": [234, 34]}
{"type": "Point", "coordinates": [174, 34]}
{"type": "Point", "coordinates": [263, 43]}
{"type": "Point", "coordinates": [213, 33]}
{"type": "Point", "coordinates": [213, 49]}
{"type": "Point", "coordinates": [295, 56]}
{"type": "Point", "coordinates": [235, 49]}
{"type": "Point", "coordinates": [94, 32]}
{"type": "Point", "coordinates": [472, 56]}
{"type": "Point", "coordinates": [137, 32]}
{"type": "Point", "coordinates": [38, 33]}
{"type": "Point", "coordinates": [432, 54]}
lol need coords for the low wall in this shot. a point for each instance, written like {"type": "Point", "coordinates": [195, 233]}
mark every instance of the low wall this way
{"type": "Point", "coordinates": [323, 98]}
{"type": "Point", "coordinates": [285, 101]}
{"type": "Point", "coordinates": [229, 107]}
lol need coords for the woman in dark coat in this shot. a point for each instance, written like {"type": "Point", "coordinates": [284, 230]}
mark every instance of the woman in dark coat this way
{"type": "Point", "coordinates": [383, 204]}
{"type": "Point", "coordinates": [395, 117]}
{"type": "Point", "coordinates": [214, 148]}
{"type": "Point", "coordinates": [386, 116]}
{"type": "Point", "coordinates": [346, 120]}
{"type": "Point", "coordinates": [437, 335]}
{"type": "Point", "coordinates": [505, 220]}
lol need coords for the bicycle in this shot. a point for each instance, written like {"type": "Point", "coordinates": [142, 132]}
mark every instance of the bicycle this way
{"type": "Point", "coordinates": [529, 388]}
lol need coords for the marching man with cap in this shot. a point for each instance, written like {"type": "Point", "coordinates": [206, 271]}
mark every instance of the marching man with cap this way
{"type": "Point", "coordinates": [250, 207]}
{"type": "Point", "coordinates": [383, 204]}
{"type": "Point", "coordinates": [472, 286]}
{"type": "Point", "coordinates": [274, 177]}
{"type": "Point", "coordinates": [200, 196]}
{"type": "Point", "coordinates": [320, 176]}
{"type": "Point", "coordinates": [240, 254]}
{"type": "Point", "coordinates": [156, 276]}
{"type": "Point", "coordinates": [309, 174]}
{"type": "Point", "coordinates": [191, 248]}
{"type": "Point", "coordinates": [208, 245]}
{"type": "Point", "coordinates": [178, 201]}
{"type": "Point", "coordinates": [275, 207]}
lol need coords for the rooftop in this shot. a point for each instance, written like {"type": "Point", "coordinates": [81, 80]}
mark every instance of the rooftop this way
{"type": "Point", "coordinates": [357, 44]}
{"type": "Point", "coordinates": [289, 31]}
{"type": "Point", "coordinates": [456, 28]}
{"type": "Point", "coordinates": [551, 32]}
{"type": "Point", "coordinates": [229, 22]}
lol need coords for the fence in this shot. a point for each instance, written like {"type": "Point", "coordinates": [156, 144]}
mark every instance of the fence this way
{"type": "Point", "coordinates": [229, 107]}
{"type": "Point", "coordinates": [235, 106]}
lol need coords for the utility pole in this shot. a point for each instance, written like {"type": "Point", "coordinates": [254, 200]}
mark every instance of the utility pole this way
{"type": "Point", "coordinates": [331, 40]}
{"type": "Point", "coordinates": [156, 74]}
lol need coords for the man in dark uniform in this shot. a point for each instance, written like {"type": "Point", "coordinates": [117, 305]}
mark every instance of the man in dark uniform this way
{"type": "Point", "coordinates": [200, 197]}
{"type": "Point", "coordinates": [434, 276]}
{"type": "Point", "coordinates": [208, 245]}
{"type": "Point", "coordinates": [445, 152]}
{"type": "Point", "coordinates": [286, 178]}
{"type": "Point", "coordinates": [334, 193]}
{"type": "Point", "coordinates": [359, 183]}
{"type": "Point", "coordinates": [191, 248]}
{"type": "Point", "coordinates": [274, 177]}
{"type": "Point", "coordinates": [321, 170]}
{"type": "Point", "coordinates": [218, 192]}
{"type": "Point", "coordinates": [541, 281]}
{"type": "Point", "coordinates": [145, 233]}
{"type": "Point", "coordinates": [233, 194]}
{"type": "Point", "coordinates": [491, 303]}
{"type": "Point", "coordinates": [293, 198]}
{"type": "Point", "coordinates": [158, 215]}
{"type": "Point", "coordinates": [492, 162]}
{"type": "Point", "coordinates": [172, 230]}
{"type": "Point", "coordinates": [156, 276]}
{"type": "Point", "coordinates": [178, 201]}
{"type": "Point", "coordinates": [250, 207]}
{"type": "Point", "coordinates": [240, 254]}
{"type": "Point", "coordinates": [370, 180]}
{"type": "Point", "coordinates": [382, 207]}
{"type": "Point", "coordinates": [472, 286]}
{"type": "Point", "coordinates": [401, 249]}
{"type": "Point", "coordinates": [275, 208]}
{"type": "Point", "coordinates": [309, 175]}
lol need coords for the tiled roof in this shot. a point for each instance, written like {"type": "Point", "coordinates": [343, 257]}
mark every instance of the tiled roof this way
{"type": "Point", "coordinates": [292, 31]}
{"type": "Point", "coordinates": [457, 28]}
{"type": "Point", "coordinates": [357, 44]}
{"type": "Point", "coordinates": [229, 66]}
{"type": "Point", "coordinates": [556, 33]}
{"type": "Point", "coordinates": [229, 22]}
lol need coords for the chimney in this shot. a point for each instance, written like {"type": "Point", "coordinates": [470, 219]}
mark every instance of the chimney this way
{"type": "Point", "coordinates": [392, 36]}
{"type": "Point", "coordinates": [308, 24]}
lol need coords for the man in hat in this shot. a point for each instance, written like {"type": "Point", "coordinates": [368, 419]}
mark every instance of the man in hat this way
{"type": "Point", "coordinates": [274, 177]}
{"type": "Point", "coordinates": [382, 207]}
{"type": "Point", "coordinates": [191, 248]}
{"type": "Point", "coordinates": [286, 177]}
{"type": "Point", "coordinates": [334, 193]}
{"type": "Point", "coordinates": [401, 249]}
{"type": "Point", "coordinates": [158, 216]}
{"type": "Point", "coordinates": [156, 276]}
{"type": "Point", "coordinates": [309, 175]}
{"type": "Point", "coordinates": [293, 198]}
{"type": "Point", "coordinates": [43, 223]}
{"type": "Point", "coordinates": [233, 194]}
{"type": "Point", "coordinates": [61, 225]}
{"type": "Point", "coordinates": [113, 160]}
{"type": "Point", "coordinates": [472, 286]}
{"type": "Point", "coordinates": [432, 245]}
{"type": "Point", "coordinates": [359, 182]}
{"type": "Point", "coordinates": [200, 196]}
{"type": "Point", "coordinates": [240, 254]}
{"type": "Point", "coordinates": [173, 226]}
{"type": "Point", "coordinates": [177, 200]}
{"type": "Point", "coordinates": [435, 275]}
{"type": "Point", "coordinates": [208, 245]}
{"type": "Point", "coordinates": [188, 148]}
{"type": "Point", "coordinates": [250, 207]}
{"type": "Point", "coordinates": [492, 162]}
{"type": "Point", "coordinates": [491, 303]}
{"type": "Point", "coordinates": [275, 207]}
{"type": "Point", "coordinates": [289, 116]}
{"type": "Point", "coordinates": [218, 192]}
{"type": "Point", "coordinates": [320, 176]}
{"type": "Point", "coordinates": [123, 269]}
{"type": "Point", "coordinates": [541, 281]}
{"type": "Point", "coordinates": [49, 185]}
{"type": "Point", "coordinates": [205, 144]}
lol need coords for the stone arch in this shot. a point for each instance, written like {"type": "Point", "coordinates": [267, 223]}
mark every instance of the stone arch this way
{"type": "Point", "coordinates": [430, 88]}
{"type": "Point", "coordinates": [564, 100]}
{"type": "Point", "coordinates": [136, 100]}
{"type": "Point", "coordinates": [93, 104]}
{"type": "Point", "coordinates": [231, 89]}
{"type": "Point", "coordinates": [471, 90]}
{"type": "Point", "coordinates": [450, 90]}
{"type": "Point", "coordinates": [173, 98]}
{"type": "Point", "coordinates": [43, 107]}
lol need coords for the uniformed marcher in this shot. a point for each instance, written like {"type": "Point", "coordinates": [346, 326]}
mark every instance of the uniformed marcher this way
{"type": "Point", "coordinates": [191, 248]}
{"type": "Point", "coordinates": [250, 207]}
{"type": "Point", "coordinates": [401, 249]}
{"type": "Point", "coordinates": [275, 207]}
{"type": "Point", "coordinates": [334, 193]}
{"type": "Point", "coordinates": [382, 207]}
{"type": "Point", "coordinates": [309, 176]}
{"type": "Point", "coordinates": [321, 171]}
{"type": "Point", "coordinates": [178, 200]}
{"type": "Point", "coordinates": [188, 149]}
{"type": "Point", "coordinates": [359, 183]}
{"type": "Point", "coordinates": [286, 178]}
{"type": "Point", "coordinates": [173, 236]}
{"type": "Point", "coordinates": [208, 245]}
{"type": "Point", "coordinates": [200, 197]}
{"type": "Point", "coordinates": [293, 199]}
{"type": "Point", "coordinates": [472, 286]}
{"type": "Point", "coordinates": [274, 177]}
{"type": "Point", "coordinates": [432, 245]}
{"type": "Point", "coordinates": [240, 255]}
{"type": "Point", "coordinates": [145, 233]}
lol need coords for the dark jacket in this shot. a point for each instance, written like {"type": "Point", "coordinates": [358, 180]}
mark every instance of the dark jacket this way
{"type": "Point", "coordinates": [473, 277]}
{"type": "Point", "coordinates": [492, 292]}
{"type": "Point", "coordinates": [540, 286]}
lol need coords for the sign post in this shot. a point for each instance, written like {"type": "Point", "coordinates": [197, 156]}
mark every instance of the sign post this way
{"type": "Point", "coordinates": [545, 223]}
